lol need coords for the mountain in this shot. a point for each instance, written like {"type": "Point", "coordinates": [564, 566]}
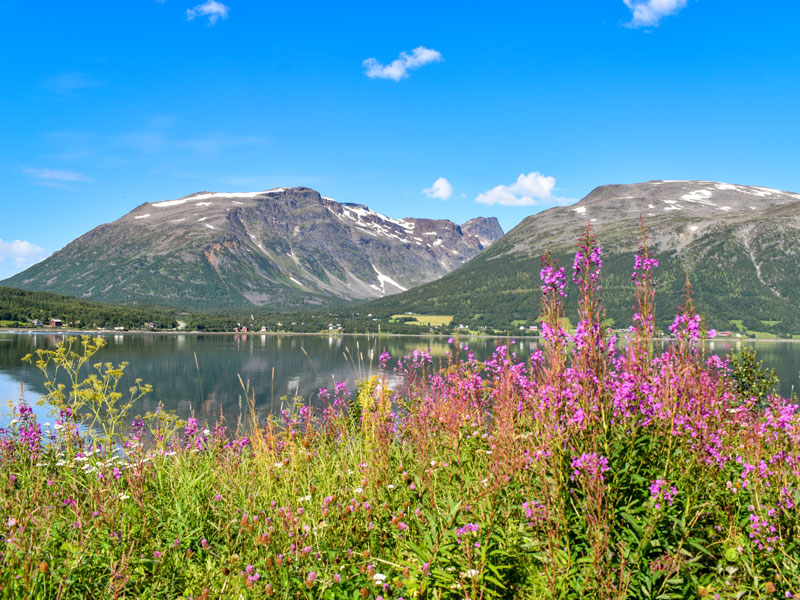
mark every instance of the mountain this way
{"type": "Point", "coordinates": [739, 245]}
{"type": "Point", "coordinates": [278, 249]}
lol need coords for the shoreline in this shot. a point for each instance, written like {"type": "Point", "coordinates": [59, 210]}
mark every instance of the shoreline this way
{"type": "Point", "coordinates": [79, 332]}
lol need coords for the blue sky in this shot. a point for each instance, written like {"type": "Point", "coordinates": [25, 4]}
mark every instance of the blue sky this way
{"type": "Point", "coordinates": [441, 110]}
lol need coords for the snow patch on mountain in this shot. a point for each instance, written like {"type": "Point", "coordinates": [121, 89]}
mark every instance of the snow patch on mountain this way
{"type": "Point", "coordinates": [168, 203]}
{"type": "Point", "coordinates": [384, 279]}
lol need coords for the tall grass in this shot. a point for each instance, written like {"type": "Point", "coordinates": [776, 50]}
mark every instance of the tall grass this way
{"type": "Point", "coordinates": [579, 471]}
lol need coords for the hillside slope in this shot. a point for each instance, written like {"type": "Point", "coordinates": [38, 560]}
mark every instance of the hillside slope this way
{"type": "Point", "coordinates": [279, 249]}
{"type": "Point", "coordinates": [738, 244]}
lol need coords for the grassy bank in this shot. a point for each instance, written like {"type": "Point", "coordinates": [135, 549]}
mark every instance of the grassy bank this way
{"type": "Point", "coordinates": [580, 471]}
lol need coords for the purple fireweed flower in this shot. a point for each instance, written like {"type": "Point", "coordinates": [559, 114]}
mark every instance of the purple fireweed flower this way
{"type": "Point", "coordinates": [468, 528]}
{"type": "Point", "coordinates": [660, 492]}
{"type": "Point", "coordinates": [553, 280]}
{"type": "Point", "coordinates": [686, 327]}
{"type": "Point", "coordinates": [642, 267]}
{"type": "Point", "coordinates": [590, 465]}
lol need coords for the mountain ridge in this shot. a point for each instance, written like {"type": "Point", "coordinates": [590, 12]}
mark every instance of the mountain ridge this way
{"type": "Point", "coordinates": [738, 244]}
{"type": "Point", "coordinates": [280, 248]}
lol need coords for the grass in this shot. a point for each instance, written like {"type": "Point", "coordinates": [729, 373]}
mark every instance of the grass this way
{"type": "Point", "coordinates": [4, 323]}
{"type": "Point", "coordinates": [426, 320]}
{"type": "Point", "coordinates": [582, 471]}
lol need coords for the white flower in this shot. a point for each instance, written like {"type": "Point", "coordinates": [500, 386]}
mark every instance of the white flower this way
{"type": "Point", "coordinates": [390, 486]}
{"type": "Point", "coordinates": [11, 522]}
{"type": "Point", "coordinates": [350, 471]}
{"type": "Point", "coordinates": [123, 496]}
{"type": "Point", "coordinates": [278, 465]}
{"type": "Point", "coordinates": [378, 578]}
{"type": "Point", "coordinates": [41, 464]}
{"type": "Point", "coordinates": [81, 458]}
{"type": "Point", "coordinates": [304, 498]}
{"type": "Point", "coordinates": [206, 432]}
{"type": "Point", "coordinates": [61, 463]}
{"type": "Point", "coordinates": [471, 574]}
{"type": "Point", "coordinates": [358, 490]}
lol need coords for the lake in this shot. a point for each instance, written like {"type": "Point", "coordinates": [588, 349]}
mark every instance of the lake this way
{"type": "Point", "coordinates": [199, 374]}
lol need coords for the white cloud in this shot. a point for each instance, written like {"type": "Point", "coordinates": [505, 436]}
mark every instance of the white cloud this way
{"type": "Point", "coordinates": [19, 255]}
{"type": "Point", "coordinates": [648, 13]}
{"type": "Point", "coordinates": [68, 83]}
{"type": "Point", "coordinates": [55, 174]}
{"type": "Point", "coordinates": [55, 178]}
{"type": "Point", "coordinates": [525, 191]}
{"type": "Point", "coordinates": [398, 69]}
{"type": "Point", "coordinates": [211, 9]}
{"type": "Point", "coordinates": [441, 189]}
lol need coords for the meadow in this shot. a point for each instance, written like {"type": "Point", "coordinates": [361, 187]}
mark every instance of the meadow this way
{"type": "Point", "coordinates": [583, 470]}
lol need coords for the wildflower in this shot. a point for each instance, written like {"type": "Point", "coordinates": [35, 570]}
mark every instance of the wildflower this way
{"type": "Point", "coordinates": [157, 554]}
{"type": "Point", "coordinates": [310, 579]}
{"type": "Point", "coordinates": [593, 465]}
{"type": "Point", "coordinates": [378, 578]}
{"type": "Point", "coordinates": [659, 491]}
{"type": "Point", "coordinates": [468, 528]}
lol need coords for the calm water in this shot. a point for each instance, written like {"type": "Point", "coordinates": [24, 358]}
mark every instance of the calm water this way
{"type": "Point", "coordinates": [275, 366]}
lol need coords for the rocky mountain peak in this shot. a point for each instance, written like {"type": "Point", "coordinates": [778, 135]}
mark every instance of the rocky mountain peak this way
{"type": "Point", "coordinates": [279, 248]}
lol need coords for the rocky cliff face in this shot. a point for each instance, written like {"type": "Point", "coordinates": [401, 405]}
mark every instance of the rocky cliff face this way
{"type": "Point", "coordinates": [486, 229]}
{"type": "Point", "coordinates": [739, 245]}
{"type": "Point", "coordinates": [281, 248]}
